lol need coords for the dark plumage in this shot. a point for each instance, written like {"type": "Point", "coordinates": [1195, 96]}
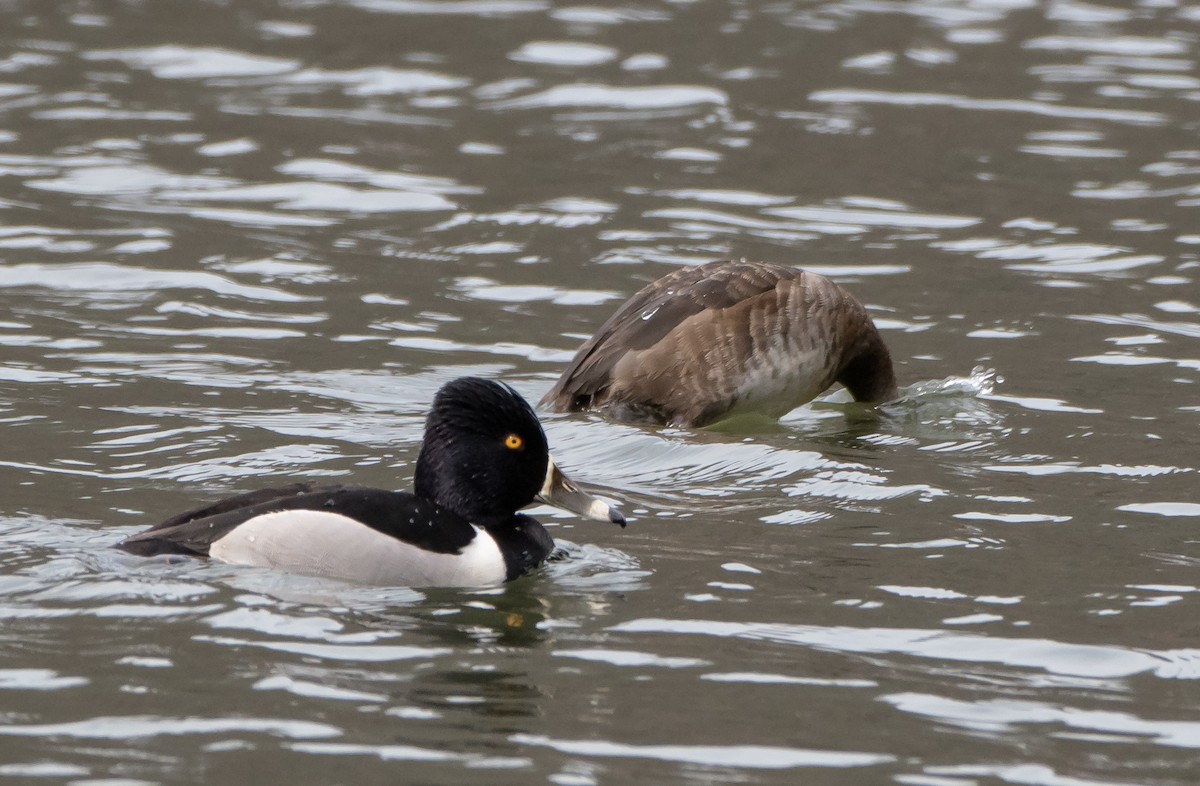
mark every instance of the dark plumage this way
{"type": "Point", "coordinates": [708, 342]}
{"type": "Point", "coordinates": [484, 457]}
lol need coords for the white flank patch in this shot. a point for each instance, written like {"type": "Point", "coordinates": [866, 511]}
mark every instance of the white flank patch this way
{"type": "Point", "coordinates": [318, 543]}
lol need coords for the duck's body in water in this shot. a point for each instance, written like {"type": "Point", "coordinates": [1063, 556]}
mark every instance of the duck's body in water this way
{"type": "Point", "coordinates": [706, 343]}
{"type": "Point", "coordinates": [483, 459]}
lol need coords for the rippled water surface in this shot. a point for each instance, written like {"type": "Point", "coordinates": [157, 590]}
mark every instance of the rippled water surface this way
{"type": "Point", "coordinates": [244, 242]}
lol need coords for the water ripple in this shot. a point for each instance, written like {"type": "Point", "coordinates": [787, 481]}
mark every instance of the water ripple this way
{"type": "Point", "coordinates": [129, 727]}
{"type": "Point", "coordinates": [753, 757]}
{"type": "Point", "coordinates": [1077, 660]}
{"type": "Point", "coordinates": [851, 96]}
{"type": "Point", "coordinates": [357, 653]}
{"type": "Point", "coordinates": [612, 97]}
{"type": "Point", "coordinates": [109, 278]}
{"type": "Point", "coordinates": [1005, 715]}
{"type": "Point", "coordinates": [563, 53]}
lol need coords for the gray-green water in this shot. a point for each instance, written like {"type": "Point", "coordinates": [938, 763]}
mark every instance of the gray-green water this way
{"type": "Point", "coordinates": [243, 243]}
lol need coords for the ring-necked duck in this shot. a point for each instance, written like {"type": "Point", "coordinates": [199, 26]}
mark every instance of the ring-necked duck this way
{"type": "Point", "coordinates": [484, 458]}
{"type": "Point", "coordinates": [708, 342]}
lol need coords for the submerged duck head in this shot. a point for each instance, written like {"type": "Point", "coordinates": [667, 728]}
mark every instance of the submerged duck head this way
{"type": "Point", "coordinates": [485, 457]}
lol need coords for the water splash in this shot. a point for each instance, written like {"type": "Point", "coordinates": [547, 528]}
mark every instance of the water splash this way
{"type": "Point", "coordinates": [591, 568]}
{"type": "Point", "coordinates": [954, 408]}
{"type": "Point", "coordinates": [979, 383]}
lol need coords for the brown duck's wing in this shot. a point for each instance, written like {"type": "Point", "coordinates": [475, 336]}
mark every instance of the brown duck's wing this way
{"type": "Point", "coordinates": [650, 315]}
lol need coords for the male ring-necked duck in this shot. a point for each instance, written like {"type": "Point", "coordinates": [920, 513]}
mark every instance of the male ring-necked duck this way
{"type": "Point", "coordinates": [484, 458]}
{"type": "Point", "coordinates": [708, 342]}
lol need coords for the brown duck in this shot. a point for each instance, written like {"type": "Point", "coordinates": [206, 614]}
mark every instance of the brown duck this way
{"type": "Point", "coordinates": [705, 343]}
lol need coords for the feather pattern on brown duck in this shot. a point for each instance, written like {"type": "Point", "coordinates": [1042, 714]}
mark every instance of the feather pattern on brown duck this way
{"type": "Point", "coordinates": [708, 342]}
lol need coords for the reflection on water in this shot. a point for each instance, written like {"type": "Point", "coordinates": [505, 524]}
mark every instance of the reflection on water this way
{"type": "Point", "coordinates": [246, 248]}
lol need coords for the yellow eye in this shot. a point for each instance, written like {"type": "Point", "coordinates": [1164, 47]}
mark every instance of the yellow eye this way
{"type": "Point", "coordinates": [513, 442]}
